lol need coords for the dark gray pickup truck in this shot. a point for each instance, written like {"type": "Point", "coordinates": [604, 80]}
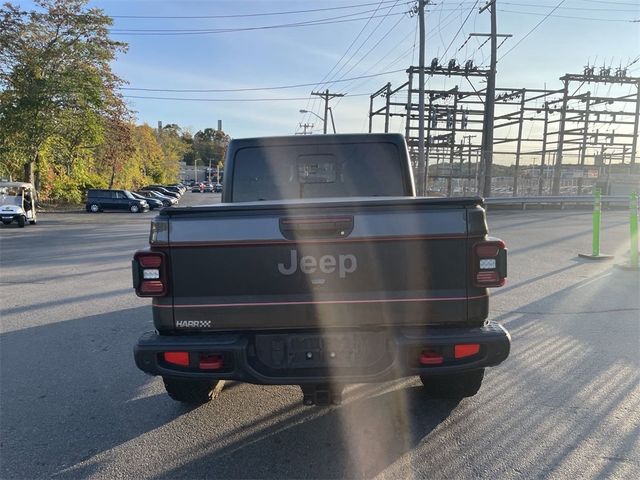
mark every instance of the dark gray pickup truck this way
{"type": "Point", "coordinates": [320, 268]}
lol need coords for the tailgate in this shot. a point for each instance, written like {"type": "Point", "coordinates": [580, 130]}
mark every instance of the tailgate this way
{"type": "Point", "coordinates": [352, 265]}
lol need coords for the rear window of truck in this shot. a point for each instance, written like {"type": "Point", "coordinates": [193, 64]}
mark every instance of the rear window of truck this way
{"type": "Point", "coordinates": [317, 171]}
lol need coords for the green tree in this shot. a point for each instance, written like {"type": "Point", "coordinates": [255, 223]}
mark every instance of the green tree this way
{"type": "Point", "coordinates": [210, 145]}
{"type": "Point", "coordinates": [55, 80]}
{"type": "Point", "coordinates": [174, 147]}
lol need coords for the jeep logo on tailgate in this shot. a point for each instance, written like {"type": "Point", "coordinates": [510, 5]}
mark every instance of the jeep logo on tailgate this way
{"type": "Point", "coordinates": [309, 264]}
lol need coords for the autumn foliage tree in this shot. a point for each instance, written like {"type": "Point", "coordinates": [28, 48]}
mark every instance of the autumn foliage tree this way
{"type": "Point", "coordinates": [63, 121]}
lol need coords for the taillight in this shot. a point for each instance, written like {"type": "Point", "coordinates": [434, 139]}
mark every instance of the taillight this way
{"type": "Point", "coordinates": [177, 358]}
{"type": "Point", "coordinates": [489, 263]}
{"type": "Point", "coordinates": [149, 274]}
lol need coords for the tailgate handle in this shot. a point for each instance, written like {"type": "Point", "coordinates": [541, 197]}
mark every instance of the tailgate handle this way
{"type": "Point", "coordinates": [293, 228]}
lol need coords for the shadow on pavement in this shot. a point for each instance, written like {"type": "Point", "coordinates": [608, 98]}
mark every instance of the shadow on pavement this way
{"type": "Point", "coordinates": [358, 439]}
{"type": "Point", "coordinates": [69, 389]}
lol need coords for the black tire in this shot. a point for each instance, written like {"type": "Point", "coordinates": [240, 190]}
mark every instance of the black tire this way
{"type": "Point", "coordinates": [94, 208]}
{"type": "Point", "coordinates": [134, 209]}
{"type": "Point", "coordinates": [21, 222]}
{"type": "Point", "coordinates": [194, 392]}
{"type": "Point", "coordinates": [458, 385]}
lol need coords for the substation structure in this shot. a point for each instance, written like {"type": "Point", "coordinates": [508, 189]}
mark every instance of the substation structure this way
{"type": "Point", "coordinates": [546, 141]}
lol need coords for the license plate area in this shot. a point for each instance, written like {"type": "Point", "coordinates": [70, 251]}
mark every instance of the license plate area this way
{"type": "Point", "coordinates": [313, 353]}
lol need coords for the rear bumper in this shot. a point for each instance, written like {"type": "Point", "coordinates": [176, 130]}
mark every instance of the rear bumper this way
{"type": "Point", "coordinates": [282, 358]}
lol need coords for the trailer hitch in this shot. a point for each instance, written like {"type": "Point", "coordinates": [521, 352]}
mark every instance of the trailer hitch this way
{"type": "Point", "coordinates": [321, 394]}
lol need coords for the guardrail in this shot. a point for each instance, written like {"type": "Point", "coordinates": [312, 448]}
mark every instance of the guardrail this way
{"type": "Point", "coordinates": [560, 201]}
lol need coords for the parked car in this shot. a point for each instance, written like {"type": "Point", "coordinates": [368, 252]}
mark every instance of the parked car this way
{"type": "Point", "coordinates": [217, 188]}
{"type": "Point", "coordinates": [100, 200]}
{"type": "Point", "coordinates": [208, 188]}
{"type": "Point", "coordinates": [197, 188]}
{"type": "Point", "coordinates": [179, 186]}
{"type": "Point", "coordinates": [153, 202]}
{"type": "Point", "coordinates": [170, 188]}
{"type": "Point", "coordinates": [166, 201]}
{"type": "Point", "coordinates": [163, 191]}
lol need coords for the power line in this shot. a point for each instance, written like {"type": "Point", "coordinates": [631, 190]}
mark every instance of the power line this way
{"type": "Point", "coordinates": [461, 27]}
{"type": "Point", "coordinates": [411, 48]}
{"type": "Point", "coordinates": [363, 43]}
{"type": "Point", "coordinates": [316, 86]}
{"type": "Point", "coordinates": [538, 5]}
{"type": "Point", "coordinates": [572, 17]}
{"type": "Point", "coordinates": [191, 99]}
{"type": "Point", "coordinates": [532, 30]}
{"type": "Point", "coordinates": [322, 21]}
{"type": "Point", "coordinates": [372, 48]}
{"type": "Point", "coordinates": [244, 15]}
{"type": "Point", "coordinates": [611, 2]}
{"type": "Point", "coordinates": [253, 89]}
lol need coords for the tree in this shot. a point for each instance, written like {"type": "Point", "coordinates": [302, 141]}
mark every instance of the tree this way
{"type": "Point", "coordinates": [210, 145]}
{"type": "Point", "coordinates": [55, 78]}
{"type": "Point", "coordinates": [174, 147]}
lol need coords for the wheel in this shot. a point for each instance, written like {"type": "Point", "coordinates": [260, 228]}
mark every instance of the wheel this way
{"type": "Point", "coordinates": [458, 385]}
{"type": "Point", "coordinates": [21, 222]}
{"type": "Point", "coordinates": [195, 392]}
{"type": "Point", "coordinates": [134, 209]}
{"type": "Point", "coordinates": [94, 207]}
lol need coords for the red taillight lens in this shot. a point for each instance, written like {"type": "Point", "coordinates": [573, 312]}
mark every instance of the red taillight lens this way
{"type": "Point", "coordinates": [151, 287]}
{"type": "Point", "coordinates": [466, 350]}
{"type": "Point", "coordinates": [177, 358]}
{"type": "Point", "coordinates": [149, 274]}
{"type": "Point", "coordinates": [429, 357]}
{"type": "Point", "coordinates": [150, 260]}
{"type": "Point", "coordinates": [211, 362]}
{"type": "Point", "coordinates": [489, 263]}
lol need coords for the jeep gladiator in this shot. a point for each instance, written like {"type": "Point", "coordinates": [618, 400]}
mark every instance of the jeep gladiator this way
{"type": "Point", "coordinates": [322, 268]}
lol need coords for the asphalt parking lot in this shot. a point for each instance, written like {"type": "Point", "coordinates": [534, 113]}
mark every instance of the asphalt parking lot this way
{"type": "Point", "coordinates": [565, 404]}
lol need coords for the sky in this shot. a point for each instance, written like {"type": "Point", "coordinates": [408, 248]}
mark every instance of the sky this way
{"type": "Point", "coordinates": [378, 37]}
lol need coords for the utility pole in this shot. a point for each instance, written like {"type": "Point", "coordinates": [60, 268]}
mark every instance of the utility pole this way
{"type": "Point", "coordinates": [557, 168]}
{"type": "Point", "coordinates": [468, 137]}
{"type": "Point", "coordinates": [326, 96]}
{"type": "Point", "coordinates": [489, 105]}
{"type": "Point", "coordinates": [305, 126]}
{"type": "Point", "coordinates": [423, 168]}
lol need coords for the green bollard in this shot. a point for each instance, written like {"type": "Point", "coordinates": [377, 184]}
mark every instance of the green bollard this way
{"type": "Point", "coordinates": [633, 234]}
{"type": "Point", "coordinates": [595, 240]}
{"type": "Point", "coordinates": [597, 212]}
{"type": "Point", "coordinates": [633, 229]}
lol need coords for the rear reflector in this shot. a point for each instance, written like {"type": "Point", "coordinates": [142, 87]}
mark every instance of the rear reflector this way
{"type": "Point", "coordinates": [177, 358]}
{"type": "Point", "coordinates": [151, 286]}
{"type": "Point", "coordinates": [487, 277]}
{"type": "Point", "coordinates": [211, 362]}
{"type": "Point", "coordinates": [466, 350]}
{"type": "Point", "coordinates": [428, 357]}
